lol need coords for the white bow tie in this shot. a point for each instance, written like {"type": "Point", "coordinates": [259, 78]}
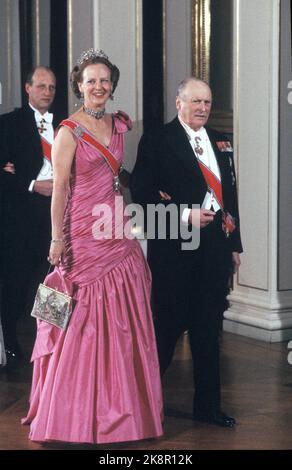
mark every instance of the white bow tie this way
{"type": "Point", "coordinates": [48, 117]}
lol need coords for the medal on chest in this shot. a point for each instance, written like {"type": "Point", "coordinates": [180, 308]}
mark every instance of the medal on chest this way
{"type": "Point", "coordinates": [41, 127]}
{"type": "Point", "coordinates": [198, 149]}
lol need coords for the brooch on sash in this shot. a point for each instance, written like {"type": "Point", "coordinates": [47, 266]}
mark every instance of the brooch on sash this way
{"type": "Point", "coordinates": [116, 183]}
{"type": "Point", "coordinates": [105, 152]}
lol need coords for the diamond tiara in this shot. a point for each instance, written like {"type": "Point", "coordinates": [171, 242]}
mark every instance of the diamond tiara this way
{"type": "Point", "coordinates": [91, 54]}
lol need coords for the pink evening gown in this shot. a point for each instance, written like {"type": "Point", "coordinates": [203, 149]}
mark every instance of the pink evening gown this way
{"type": "Point", "coordinates": [98, 381]}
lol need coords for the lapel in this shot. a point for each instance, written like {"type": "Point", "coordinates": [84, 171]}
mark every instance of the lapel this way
{"type": "Point", "coordinates": [32, 137]}
{"type": "Point", "coordinates": [31, 148]}
{"type": "Point", "coordinates": [184, 153]}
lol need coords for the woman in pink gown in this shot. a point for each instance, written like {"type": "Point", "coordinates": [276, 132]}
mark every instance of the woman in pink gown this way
{"type": "Point", "coordinates": [98, 381]}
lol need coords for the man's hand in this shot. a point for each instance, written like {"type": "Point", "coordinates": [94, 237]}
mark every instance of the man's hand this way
{"type": "Point", "coordinates": [200, 218]}
{"type": "Point", "coordinates": [236, 261]}
{"type": "Point", "coordinates": [44, 187]}
{"type": "Point", "coordinates": [9, 168]}
{"type": "Point", "coordinates": [164, 196]}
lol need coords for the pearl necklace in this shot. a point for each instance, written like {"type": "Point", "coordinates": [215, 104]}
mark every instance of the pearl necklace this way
{"type": "Point", "coordinates": [95, 114]}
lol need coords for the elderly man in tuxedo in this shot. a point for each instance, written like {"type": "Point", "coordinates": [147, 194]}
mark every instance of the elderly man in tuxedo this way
{"type": "Point", "coordinates": [187, 164]}
{"type": "Point", "coordinates": [26, 186]}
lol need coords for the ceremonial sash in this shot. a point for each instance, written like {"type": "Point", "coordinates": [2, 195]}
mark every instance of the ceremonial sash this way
{"type": "Point", "coordinates": [107, 155]}
{"type": "Point", "coordinates": [213, 183]}
{"type": "Point", "coordinates": [47, 149]}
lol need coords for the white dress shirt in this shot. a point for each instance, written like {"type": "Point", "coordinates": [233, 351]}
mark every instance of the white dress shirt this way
{"type": "Point", "coordinates": [200, 138]}
{"type": "Point", "coordinates": [44, 121]}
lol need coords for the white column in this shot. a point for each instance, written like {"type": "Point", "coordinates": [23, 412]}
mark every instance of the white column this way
{"type": "Point", "coordinates": [260, 307]}
{"type": "Point", "coordinates": [285, 160]}
{"type": "Point", "coordinates": [10, 82]}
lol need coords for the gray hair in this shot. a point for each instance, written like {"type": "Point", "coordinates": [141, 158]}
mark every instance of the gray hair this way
{"type": "Point", "coordinates": [187, 80]}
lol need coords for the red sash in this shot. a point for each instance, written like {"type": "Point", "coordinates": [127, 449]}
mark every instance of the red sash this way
{"type": "Point", "coordinates": [107, 155]}
{"type": "Point", "coordinates": [47, 149]}
{"type": "Point", "coordinates": [213, 183]}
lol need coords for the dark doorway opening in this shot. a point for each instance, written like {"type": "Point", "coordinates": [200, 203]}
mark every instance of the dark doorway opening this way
{"type": "Point", "coordinates": [26, 38]}
{"type": "Point", "coordinates": [58, 57]}
{"type": "Point", "coordinates": [152, 63]}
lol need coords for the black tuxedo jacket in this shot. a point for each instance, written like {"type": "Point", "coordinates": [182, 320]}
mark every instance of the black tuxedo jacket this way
{"type": "Point", "coordinates": [166, 162]}
{"type": "Point", "coordinates": [25, 228]}
{"type": "Point", "coordinates": [21, 145]}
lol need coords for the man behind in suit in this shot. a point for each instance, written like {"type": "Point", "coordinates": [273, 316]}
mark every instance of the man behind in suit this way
{"type": "Point", "coordinates": [26, 187]}
{"type": "Point", "coordinates": [186, 163]}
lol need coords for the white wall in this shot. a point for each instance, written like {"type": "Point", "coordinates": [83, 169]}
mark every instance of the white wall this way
{"type": "Point", "coordinates": [10, 86]}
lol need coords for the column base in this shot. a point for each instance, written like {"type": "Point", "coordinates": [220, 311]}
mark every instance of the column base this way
{"type": "Point", "coordinates": [258, 315]}
{"type": "Point", "coordinates": [262, 334]}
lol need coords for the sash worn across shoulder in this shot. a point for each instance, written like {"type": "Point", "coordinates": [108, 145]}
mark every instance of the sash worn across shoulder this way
{"type": "Point", "coordinates": [47, 148]}
{"type": "Point", "coordinates": [228, 222]}
{"type": "Point", "coordinates": [213, 183]}
{"type": "Point", "coordinates": [107, 155]}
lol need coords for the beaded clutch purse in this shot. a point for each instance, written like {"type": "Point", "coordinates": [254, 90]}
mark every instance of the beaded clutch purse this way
{"type": "Point", "coordinates": [52, 306]}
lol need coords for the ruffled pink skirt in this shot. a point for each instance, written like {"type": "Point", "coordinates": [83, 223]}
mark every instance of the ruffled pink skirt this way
{"type": "Point", "coordinates": [99, 381]}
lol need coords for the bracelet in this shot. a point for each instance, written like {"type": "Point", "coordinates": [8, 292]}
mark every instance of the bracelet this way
{"type": "Point", "coordinates": [57, 240]}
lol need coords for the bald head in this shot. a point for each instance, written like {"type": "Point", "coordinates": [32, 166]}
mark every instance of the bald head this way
{"type": "Point", "coordinates": [41, 88]}
{"type": "Point", "coordinates": [183, 84]}
{"type": "Point", "coordinates": [194, 102]}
